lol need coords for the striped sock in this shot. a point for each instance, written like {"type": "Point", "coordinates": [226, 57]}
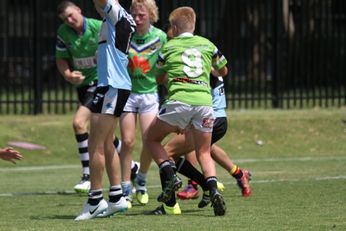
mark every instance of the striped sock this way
{"type": "Point", "coordinates": [82, 141]}
{"type": "Point", "coordinates": [115, 193]}
{"type": "Point", "coordinates": [236, 172]}
{"type": "Point", "coordinates": [95, 196]}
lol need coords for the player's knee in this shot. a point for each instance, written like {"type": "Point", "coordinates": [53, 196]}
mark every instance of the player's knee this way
{"type": "Point", "coordinates": [79, 126]}
{"type": "Point", "coordinates": [128, 142]}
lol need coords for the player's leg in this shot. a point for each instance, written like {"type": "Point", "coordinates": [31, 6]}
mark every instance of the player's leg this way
{"type": "Point", "coordinates": [157, 131]}
{"type": "Point", "coordinates": [220, 156]}
{"type": "Point", "coordinates": [180, 145]}
{"type": "Point", "coordinates": [128, 130]}
{"type": "Point", "coordinates": [80, 127]}
{"type": "Point", "coordinates": [243, 176]}
{"type": "Point", "coordinates": [202, 133]}
{"type": "Point", "coordinates": [145, 120]}
{"type": "Point", "coordinates": [117, 98]}
{"type": "Point", "coordinates": [191, 189]}
{"type": "Point", "coordinates": [98, 133]}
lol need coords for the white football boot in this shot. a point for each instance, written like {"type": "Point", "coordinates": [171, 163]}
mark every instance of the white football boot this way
{"type": "Point", "coordinates": [91, 211]}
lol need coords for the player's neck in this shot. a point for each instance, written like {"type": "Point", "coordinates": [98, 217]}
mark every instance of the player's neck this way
{"type": "Point", "coordinates": [143, 30]}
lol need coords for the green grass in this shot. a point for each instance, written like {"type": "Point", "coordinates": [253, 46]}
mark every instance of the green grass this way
{"type": "Point", "coordinates": [299, 177]}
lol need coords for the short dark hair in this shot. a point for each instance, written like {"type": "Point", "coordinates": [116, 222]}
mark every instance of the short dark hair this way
{"type": "Point", "coordinates": [63, 5]}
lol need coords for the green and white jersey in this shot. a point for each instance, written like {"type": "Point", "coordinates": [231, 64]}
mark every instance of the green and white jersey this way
{"type": "Point", "coordinates": [143, 54]}
{"type": "Point", "coordinates": [187, 59]}
{"type": "Point", "coordinates": [80, 50]}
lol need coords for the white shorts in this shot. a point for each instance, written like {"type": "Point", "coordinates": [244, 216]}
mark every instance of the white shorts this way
{"type": "Point", "coordinates": [142, 103]}
{"type": "Point", "coordinates": [184, 116]}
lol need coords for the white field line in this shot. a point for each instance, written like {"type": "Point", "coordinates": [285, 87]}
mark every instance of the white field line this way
{"type": "Point", "coordinates": [252, 160]}
{"type": "Point", "coordinates": [159, 186]}
{"type": "Point", "coordinates": [52, 167]}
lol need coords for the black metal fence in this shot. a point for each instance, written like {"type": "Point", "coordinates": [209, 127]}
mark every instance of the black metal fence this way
{"type": "Point", "coordinates": [282, 53]}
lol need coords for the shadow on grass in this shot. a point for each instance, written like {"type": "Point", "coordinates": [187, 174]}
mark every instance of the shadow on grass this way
{"type": "Point", "coordinates": [54, 217]}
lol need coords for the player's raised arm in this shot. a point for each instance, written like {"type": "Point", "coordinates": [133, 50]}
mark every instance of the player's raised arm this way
{"type": "Point", "coordinates": [219, 64]}
{"type": "Point", "coordinates": [102, 3]}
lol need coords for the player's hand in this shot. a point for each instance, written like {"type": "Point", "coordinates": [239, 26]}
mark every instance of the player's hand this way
{"type": "Point", "coordinates": [10, 154]}
{"type": "Point", "coordinates": [75, 77]}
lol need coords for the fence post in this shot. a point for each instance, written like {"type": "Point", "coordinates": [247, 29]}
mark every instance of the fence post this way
{"type": "Point", "coordinates": [277, 17]}
{"type": "Point", "coordinates": [37, 60]}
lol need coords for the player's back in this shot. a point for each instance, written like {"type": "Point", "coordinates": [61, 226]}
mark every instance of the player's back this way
{"type": "Point", "coordinates": [188, 60]}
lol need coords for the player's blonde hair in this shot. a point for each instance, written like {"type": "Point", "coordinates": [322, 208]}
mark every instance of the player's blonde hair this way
{"type": "Point", "coordinates": [151, 7]}
{"type": "Point", "coordinates": [184, 18]}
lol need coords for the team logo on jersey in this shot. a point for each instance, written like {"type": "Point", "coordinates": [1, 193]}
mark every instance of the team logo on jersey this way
{"type": "Point", "coordinates": [109, 105]}
{"type": "Point", "coordinates": [139, 65]}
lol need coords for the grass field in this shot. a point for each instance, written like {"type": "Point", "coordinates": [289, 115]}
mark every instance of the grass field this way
{"type": "Point", "coordinates": [299, 177]}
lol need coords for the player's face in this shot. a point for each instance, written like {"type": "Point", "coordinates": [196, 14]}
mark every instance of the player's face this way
{"type": "Point", "coordinates": [72, 16]}
{"type": "Point", "coordinates": [141, 16]}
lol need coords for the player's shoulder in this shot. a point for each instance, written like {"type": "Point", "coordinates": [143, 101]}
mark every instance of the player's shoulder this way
{"type": "Point", "coordinates": [203, 39]}
{"type": "Point", "coordinates": [63, 30]}
{"type": "Point", "coordinates": [158, 33]}
{"type": "Point", "coordinates": [157, 30]}
{"type": "Point", "coordinates": [94, 21]}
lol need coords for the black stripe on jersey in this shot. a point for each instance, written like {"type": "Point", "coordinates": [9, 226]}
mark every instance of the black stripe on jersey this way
{"type": "Point", "coordinates": [217, 54]}
{"type": "Point", "coordinates": [110, 8]}
{"type": "Point", "coordinates": [214, 81]}
{"type": "Point", "coordinates": [60, 43]}
{"type": "Point", "coordinates": [124, 29]}
{"type": "Point", "coordinates": [104, 41]}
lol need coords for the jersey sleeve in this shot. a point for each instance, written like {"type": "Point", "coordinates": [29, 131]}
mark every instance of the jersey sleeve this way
{"type": "Point", "coordinates": [218, 60]}
{"type": "Point", "coordinates": [163, 38]}
{"type": "Point", "coordinates": [160, 64]}
{"type": "Point", "coordinates": [112, 11]}
{"type": "Point", "coordinates": [61, 51]}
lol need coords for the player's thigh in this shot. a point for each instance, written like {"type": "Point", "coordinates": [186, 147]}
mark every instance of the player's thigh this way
{"type": "Point", "coordinates": [102, 126]}
{"type": "Point", "coordinates": [158, 130]}
{"type": "Point", "coordinates": [202, 141]}
{"type": "Point", "coordinates": [145, 119]}
{"type": "Point", "coordinates": [219, 129]}
{"type": "Point", "coordinates": [180, 145]}
{"type": "Point", "coordinates": [127, 123]}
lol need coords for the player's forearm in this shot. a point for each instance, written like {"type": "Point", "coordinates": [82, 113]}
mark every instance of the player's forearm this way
{"type": "Point", "coordinates": [221, 72]}
{"type": "Point", "coordinates": [162, 79]}
{"type": "Point", "coordinates": [63, 68]}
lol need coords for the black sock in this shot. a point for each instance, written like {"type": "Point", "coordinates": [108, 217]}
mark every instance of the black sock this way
{"type": "Point", "coordinates": [166, 172]}
{"type": "Point", "coordinates": [95, 196]}
{"type": "Point", "coordinates": [211, 183]}
{"type": "Point", "coordinates": [115, 193]}
{"type": "Point", "coordinates": [172, 201]}
{"type": "Point", "coordinates": [187, 169]}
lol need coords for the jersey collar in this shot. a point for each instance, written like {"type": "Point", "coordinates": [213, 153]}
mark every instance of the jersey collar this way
{"type": "Point", "coordinates": [84, 24]}
{"type": "Point", "coordinates": [186, 34]}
